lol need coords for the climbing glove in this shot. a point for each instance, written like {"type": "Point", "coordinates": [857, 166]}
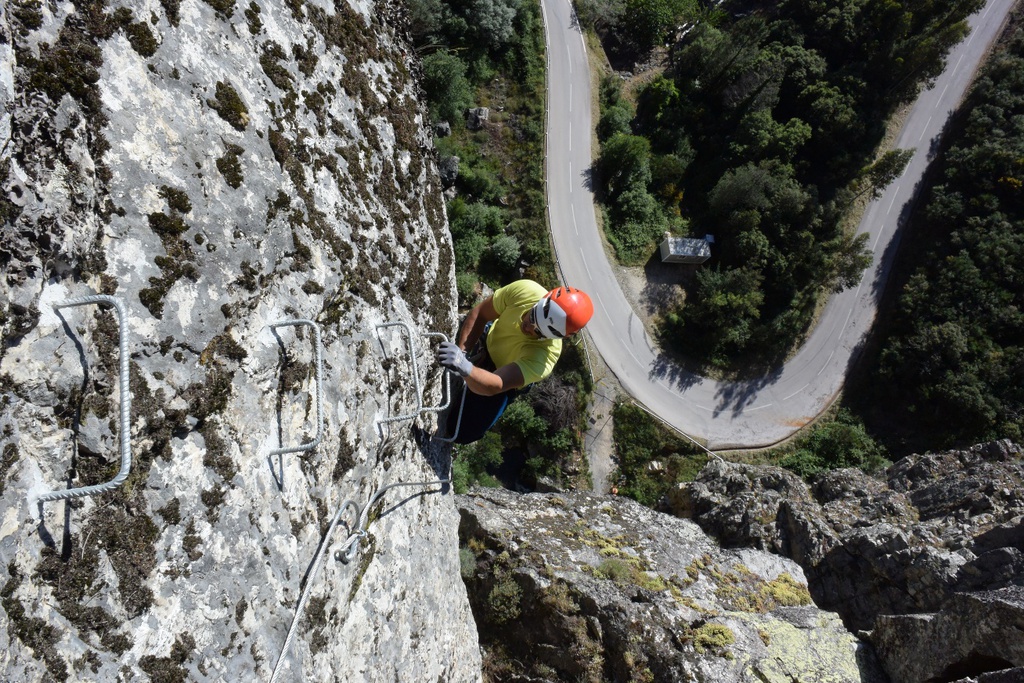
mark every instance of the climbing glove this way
{"type": "Point", "coordinates": [454, 358]}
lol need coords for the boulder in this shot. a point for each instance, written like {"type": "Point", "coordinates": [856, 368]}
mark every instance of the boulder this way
{"type": "Point", "coordinates": [573, 586]}
{"type": "Point", "coordinates": [477, 117]}
{"type": "Point", "coordinates": [448, 170]}
{"type": "Point", "coordinates": [901, 542]}
{"type": "Point", "coordinates": [974, 635]}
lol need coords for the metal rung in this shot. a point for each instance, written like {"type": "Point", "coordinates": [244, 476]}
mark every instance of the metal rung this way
{"type": "Point", "coordinates": [458, 421]}
{"type": "Point", "coordinates": [420, 408]}
{"type": "Point", "coordinates": [126, 404]}
{"type": "Point", "coordinates": [319, 387]}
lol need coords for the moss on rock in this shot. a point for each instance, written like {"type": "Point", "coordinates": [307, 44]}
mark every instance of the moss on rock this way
{"type": "Point", "coordinates": [229, 105]}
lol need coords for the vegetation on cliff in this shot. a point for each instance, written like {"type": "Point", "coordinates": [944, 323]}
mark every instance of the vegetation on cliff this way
{"type": "Point", "coordinates": [491, 54]}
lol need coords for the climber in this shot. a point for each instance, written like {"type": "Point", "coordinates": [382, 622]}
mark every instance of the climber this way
{"type": "Point", "coordinates": [516, 337]}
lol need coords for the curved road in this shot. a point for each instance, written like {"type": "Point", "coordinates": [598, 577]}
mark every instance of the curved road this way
{"type": "Point", "coordinates": [746, 414]}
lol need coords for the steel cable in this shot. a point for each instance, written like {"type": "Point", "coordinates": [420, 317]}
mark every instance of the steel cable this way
{"type": "Point", "coordinates": [346, 554]}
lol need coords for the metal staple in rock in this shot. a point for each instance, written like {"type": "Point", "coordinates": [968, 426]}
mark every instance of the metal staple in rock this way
{"type": "Point", "coordinates": [319, 388]}
{"type": "Point", "coordinates": [126, 403]}
{"type": "Point", "coordinates": [416, 377]}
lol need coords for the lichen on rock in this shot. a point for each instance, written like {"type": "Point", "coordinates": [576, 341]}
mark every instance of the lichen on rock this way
{"type": "Point", "coordinates": [574, 586]}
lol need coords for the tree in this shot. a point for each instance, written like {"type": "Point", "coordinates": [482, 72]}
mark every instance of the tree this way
{"type": "Point", "coordinates": [723, 314]}
{"type": "Point", "coordinates": [468, 250]}
{"type": "Point", "coordinates": [447, 89]}
{"type": "Point", "coordinates": [614, 119]}
{"type": "Point", "coordinates": [625, 163]}
{"type": "Point", "coordinates": [667, 172]}
{"type": "Point", "coordinates": [638, 221]}
{"type": "Point", "coordinates": [521, 423]}
{"type": "Point", "coordinates": [848, 258]}
{"type": "Point", "coordinates": [658, 101]}
{"type": "Point", "coordinates": [759, 136]}
{"type": "Point", "coordinates": [505, 251]}
{"type": "Point", "coordinates": [599, 14]}
{"type": "Point", "coordinates": [647, 21]}
{"type": "Point", "coordinates": [477, 217]}
{"type": "Point", "coordinates": [493, 20]}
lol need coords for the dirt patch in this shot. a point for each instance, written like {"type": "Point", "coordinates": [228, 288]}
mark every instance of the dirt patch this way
{"type": "Point", "coordinates": [654, 289]}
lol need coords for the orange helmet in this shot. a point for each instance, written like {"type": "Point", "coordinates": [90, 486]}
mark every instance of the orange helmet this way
{"type": "Point", "coordinates": [564, 311]}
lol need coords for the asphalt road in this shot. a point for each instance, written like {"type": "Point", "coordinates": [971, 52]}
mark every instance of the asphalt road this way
{"type": "Point", "coordinates": [768, 409]}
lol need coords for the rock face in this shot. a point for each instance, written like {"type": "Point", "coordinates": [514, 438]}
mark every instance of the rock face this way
{"type": "Point", "coordinates": [220, 167]}
{"type": "Point", "coordinates": [975, 633]}
{"type": "Point", "coordinates": [909, 542]}
{"type": "Point", "coordinates": [572, 586]}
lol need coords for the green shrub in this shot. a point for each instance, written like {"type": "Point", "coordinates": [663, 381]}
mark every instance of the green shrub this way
{"type": "Point", "coordinates": [641, 439]}
{"type": "Point", "coordinates": [471, 462]}
{"type": "Point", "coordinates": [615, 119]}
{"type": "Point", "coordinates": [467, 562]}
{"type": "Point", "coordinates": [448, 91]}
{"type": "Point", "coordinates": [468, 250]}
{"type": "Point", "coordinates": [465, 285]}
{"type": "Point", "coordinates": [227, 103]}
{"type": "Point", "coordinates": [834, 444]}
{"type": "Point", "coordinates": [503, 601]}
{"type": "Point", "coordinates": [713, 638]}
{"type": "Point", "coordinates": [505, 253]}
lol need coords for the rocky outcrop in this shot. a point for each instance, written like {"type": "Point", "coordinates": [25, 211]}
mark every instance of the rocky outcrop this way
{"type": "Point", "coordinates": [219, 167]}
{"type": "Point", "coordinates": [975, 634]}
{"type": "Point", "coordinates": [905, 543]}
{"type": "Point", "coordinates": [573, 586]}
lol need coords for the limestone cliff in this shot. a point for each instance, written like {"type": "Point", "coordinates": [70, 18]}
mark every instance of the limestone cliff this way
{"type": "Point", "coordinates": [223, 166]}
{"type": "Point", "coordinates": [219, 167]}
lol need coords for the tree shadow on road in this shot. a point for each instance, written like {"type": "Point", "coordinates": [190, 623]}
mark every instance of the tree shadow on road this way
{"type": "Point", "coordinates": [739, 396]}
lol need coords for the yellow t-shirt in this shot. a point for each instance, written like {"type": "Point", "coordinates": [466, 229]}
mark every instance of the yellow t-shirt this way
{"type": "Point", "coordinates": [506, 342]}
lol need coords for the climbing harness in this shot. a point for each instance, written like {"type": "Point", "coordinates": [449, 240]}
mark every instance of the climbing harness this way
{"type": "Point", "coordinates": [319, 387]}
{"type": "Point", "coordinates": [126, 404]}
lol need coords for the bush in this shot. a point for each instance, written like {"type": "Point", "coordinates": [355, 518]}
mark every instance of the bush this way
{"type": "Point", "coordinates": [505, 253]}
{"type": "Point", "coordinates": [468, 250]}
{"type": "Point", "coordinates": [447, 89]}
{"type": "Point", "coordinates": [638, 222]}
{"type": "Point", "coordinates": [641, 439]}
{"type": "Point", "coordinates": [614, 119]}
{"type": "Point", "coordinates": [503, 601]}
{"type": "Point", "coordinates": [472, 461]}
{"type": "Point", "coordinates": [520, 422]}
{"type": "Point", "coordinates": [835, 444]}
{"type": "Point", "coordinates": [465, 285]}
